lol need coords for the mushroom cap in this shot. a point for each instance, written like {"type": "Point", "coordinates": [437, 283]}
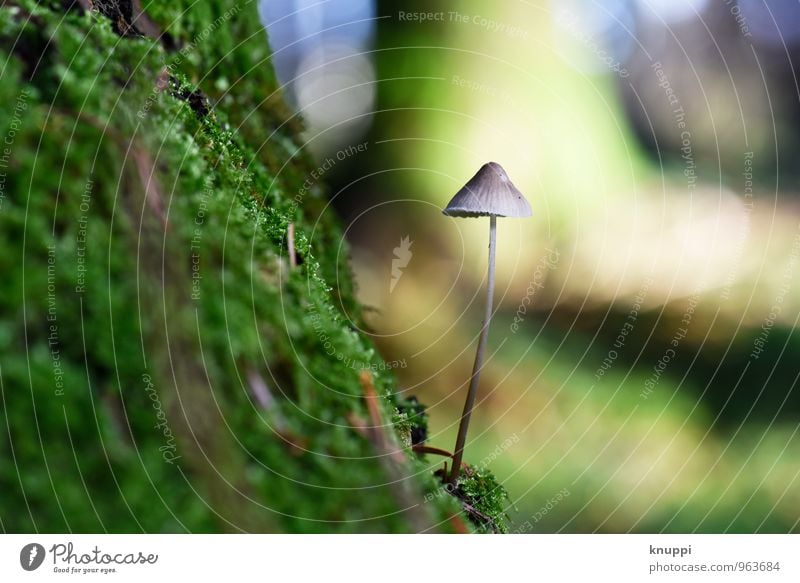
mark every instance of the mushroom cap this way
{"type": "Point", "coordinates": [489, 192]}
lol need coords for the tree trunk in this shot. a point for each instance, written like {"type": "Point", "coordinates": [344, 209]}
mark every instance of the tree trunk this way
{"type": "Point", "coordinates": [164, 366]}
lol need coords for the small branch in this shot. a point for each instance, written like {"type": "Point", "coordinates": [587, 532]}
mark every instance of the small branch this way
{"type": "Point", "coordinates": [471, 509]}
{"type": "Point", "coordinates": [376, 430]}
{"type": "Point", "coordinates": [393, 460]}
{"type": "Point", "coordinates": [419, 448]}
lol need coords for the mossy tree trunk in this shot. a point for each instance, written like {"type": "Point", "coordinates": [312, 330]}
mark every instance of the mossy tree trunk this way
{"type": "Point", "coordinates": [162, 366]}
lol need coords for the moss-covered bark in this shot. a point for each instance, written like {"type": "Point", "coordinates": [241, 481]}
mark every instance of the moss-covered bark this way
{"type": "Point", "coordinates": [162, 366]}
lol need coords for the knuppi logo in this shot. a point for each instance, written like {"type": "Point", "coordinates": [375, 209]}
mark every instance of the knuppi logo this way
{"type": "Point", "coordinates": [31, 556]}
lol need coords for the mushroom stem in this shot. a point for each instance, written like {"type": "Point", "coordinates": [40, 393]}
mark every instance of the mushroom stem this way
{"type": "Point", "coordinates": [476, 368]}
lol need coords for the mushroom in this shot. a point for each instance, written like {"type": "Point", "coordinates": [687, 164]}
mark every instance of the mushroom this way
{"type": "Point", "coordinates": [489, 193]}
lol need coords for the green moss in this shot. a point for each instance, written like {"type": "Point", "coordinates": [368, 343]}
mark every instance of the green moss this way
{"type": "Point", "coordinates": [162, 367]}
{"type": "Point", "coordinates": [484, 499]}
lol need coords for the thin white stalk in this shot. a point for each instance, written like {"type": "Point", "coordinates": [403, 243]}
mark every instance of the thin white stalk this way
{"type": "Point", "coordinates": [476, 369]}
